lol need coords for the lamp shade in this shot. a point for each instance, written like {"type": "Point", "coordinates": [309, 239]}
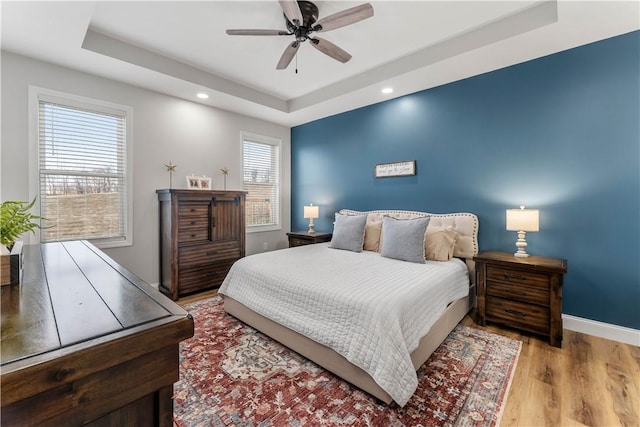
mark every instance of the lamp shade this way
{"type": "Point", "coordinates": [311, 211]}
{"type": "Point", "coordinates": [523, 219]}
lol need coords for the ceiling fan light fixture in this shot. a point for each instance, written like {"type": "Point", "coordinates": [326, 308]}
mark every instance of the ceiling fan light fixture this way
{"type": "Point", "coordinates": [202, 95]}
{"type": "Point", "coordinates": [387, 90]}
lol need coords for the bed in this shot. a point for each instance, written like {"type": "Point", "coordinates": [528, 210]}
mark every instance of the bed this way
{"type": "Point", "coordinates": [361, 315]}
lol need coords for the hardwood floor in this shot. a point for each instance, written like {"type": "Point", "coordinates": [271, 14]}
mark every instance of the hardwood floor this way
{"type": "Point", "coordinates": [590, 381]}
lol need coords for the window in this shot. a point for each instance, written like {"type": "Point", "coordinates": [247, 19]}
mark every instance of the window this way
{"type": "Point", "coordinates": [261, 181]}
{"type": "Point", "coordinates": [83, 174]}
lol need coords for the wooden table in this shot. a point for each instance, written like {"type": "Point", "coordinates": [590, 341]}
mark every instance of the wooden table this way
{"type": "Point", "coordinates": [84, 341]}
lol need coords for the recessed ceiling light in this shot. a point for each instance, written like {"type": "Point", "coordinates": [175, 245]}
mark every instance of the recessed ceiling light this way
{"type": "Point", "coordinates": [387, 90]}
{"type": "Point", "coordinates": [202, 95]}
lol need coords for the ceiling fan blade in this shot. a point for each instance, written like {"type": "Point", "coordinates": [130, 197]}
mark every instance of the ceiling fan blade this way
{"type": "Point", "coordinates": [292, 11]}
{"type": "Point", "coordinates": [258, 33]}
{"type": "Point", "coordinates": [330, 49]}
{"type": "Point", "coordinates": [345, 17]}
{"type": "Point", "coordinates": [288, 55]}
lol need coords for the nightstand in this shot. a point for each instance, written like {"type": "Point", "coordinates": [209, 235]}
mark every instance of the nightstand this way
{"type": "Point", "coordinates": [523, 293]}
{"type": "Point", "coordinates": [300, 238]}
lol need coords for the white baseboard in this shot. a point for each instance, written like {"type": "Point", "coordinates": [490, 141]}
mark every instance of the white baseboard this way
{"type": "Point", "coordinates": [602, 330]}
{"type": "Point", "coordinates": [155, 285]}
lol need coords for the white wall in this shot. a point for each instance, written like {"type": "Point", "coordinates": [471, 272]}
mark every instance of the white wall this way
{"type": "Point", "coordinates": [197, 138]}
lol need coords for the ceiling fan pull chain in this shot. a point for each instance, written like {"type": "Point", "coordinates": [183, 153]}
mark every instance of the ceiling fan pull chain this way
{"type": "Point", "coordinates": [296, 63]}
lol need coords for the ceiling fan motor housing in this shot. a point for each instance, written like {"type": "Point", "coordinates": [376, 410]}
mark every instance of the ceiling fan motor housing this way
{"type": "Point", "coordinates": [309, 17]}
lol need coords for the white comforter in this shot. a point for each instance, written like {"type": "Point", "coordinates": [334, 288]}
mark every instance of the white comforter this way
{"type": "Point", "coordinates": [370, 309]}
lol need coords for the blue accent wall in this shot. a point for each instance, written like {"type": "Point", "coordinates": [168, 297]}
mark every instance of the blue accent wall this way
{"type": "Point", "coordinates": [560, 134]}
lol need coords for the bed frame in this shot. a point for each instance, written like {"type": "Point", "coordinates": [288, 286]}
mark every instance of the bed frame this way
{"type": "Point", "coordinates": [466, 247]}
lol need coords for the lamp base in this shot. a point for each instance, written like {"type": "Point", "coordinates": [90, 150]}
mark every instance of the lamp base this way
{"type": "Point", "coordinates": [521, 244]}
{"type": "Point", "coordinates": [311, 229]}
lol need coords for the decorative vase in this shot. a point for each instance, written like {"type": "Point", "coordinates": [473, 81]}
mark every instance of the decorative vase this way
{"type": "Point", "coordinates": [11, 264]}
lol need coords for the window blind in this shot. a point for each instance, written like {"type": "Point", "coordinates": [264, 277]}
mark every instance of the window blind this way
{"type": "Point", "coordinates": [261, 180]}
{"type": "Point", "coordinates": [82, 171]}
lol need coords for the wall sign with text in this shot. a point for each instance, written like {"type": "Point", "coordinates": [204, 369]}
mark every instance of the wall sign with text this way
{"type": "Point", "coordinates": [404, 168]}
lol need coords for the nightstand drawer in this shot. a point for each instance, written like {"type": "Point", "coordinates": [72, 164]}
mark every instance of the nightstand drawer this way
{"type": "Point", "coordinates": [518, 292]}
{"type": "Point", "coordinates": [530, 317]}
{"type": "Point", "coordinates": [302, 238]}
{"type": "Point", "coordinates": [299, 242]}
{"type": "Point", "coordinates": [520, 277]}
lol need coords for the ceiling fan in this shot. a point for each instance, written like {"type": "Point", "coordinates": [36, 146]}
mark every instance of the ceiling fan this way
{"type": "Point", "coordinates": [301, 18]}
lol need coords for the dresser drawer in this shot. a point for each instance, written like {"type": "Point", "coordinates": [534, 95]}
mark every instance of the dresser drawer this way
{"type": "Point", "coordinates": [208, 253]}
{"type": "Point", "coordinates": [521, 277]}
{"type": "Point", "coordinates": [518, 292]}
{"type": "Point", "coordinates": [186, 209]}
{"type": "Point", "coordinates": [193, 235]}
{"type": "Point", "coordinates": [195, 221]}
{"type": "Point", "coordinates": [197, 278]}
{"type": "Point", "coordinates": [529, 317]}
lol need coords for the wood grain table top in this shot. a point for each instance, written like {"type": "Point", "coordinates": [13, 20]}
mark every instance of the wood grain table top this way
{"type": "Point", "coordinates": [73, 295]}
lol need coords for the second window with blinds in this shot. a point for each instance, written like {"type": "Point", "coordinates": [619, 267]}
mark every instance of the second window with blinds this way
{"type": "Point", "coordinates": [261, 181]}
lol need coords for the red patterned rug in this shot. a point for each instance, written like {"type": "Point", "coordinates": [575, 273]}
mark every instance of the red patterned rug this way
{"type": "Point", "coordinates": [232, 375]}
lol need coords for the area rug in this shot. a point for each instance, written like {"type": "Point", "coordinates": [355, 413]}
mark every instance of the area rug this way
{"type": "Point", "coordinates": [232, 375]}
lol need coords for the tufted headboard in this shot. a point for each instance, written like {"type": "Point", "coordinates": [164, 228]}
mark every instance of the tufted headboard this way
{"type": "Point", "coordinates": [466, 224]}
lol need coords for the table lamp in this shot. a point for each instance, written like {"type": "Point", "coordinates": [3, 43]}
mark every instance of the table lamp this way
{"type": "Point", "coordinates": [522, 220]}
{"type": "Point", "coordinates": [311, 212]}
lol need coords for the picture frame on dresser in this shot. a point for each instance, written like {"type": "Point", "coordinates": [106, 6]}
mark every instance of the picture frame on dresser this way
{"type": "Point", "coordinates": [205, 183]}
{"type": "Point", "coordinates": [193, 182]}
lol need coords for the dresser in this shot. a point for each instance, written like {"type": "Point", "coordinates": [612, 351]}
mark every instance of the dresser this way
{"type": "Point", "coordinates": [524, 293]}
{"type": "Point", "coordinates": [301, 238]}
{"type": "Point", "coordinates": [202, 233]}
{"type": "Point", "coordinates": [85, 342]}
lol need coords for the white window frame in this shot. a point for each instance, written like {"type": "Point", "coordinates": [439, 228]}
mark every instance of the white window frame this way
{"type": "Point", "coordinates": [250, 136]}
{"type": "Point", "coordinates": [35, 93]}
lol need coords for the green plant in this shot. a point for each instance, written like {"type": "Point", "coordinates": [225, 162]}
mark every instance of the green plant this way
{"type": "Point", "coordinates": [15, 220]}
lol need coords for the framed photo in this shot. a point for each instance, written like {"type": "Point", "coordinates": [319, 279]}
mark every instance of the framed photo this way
{"type": "Point", "coordinates": [403, 168]}
{"type": "Point", "coordinates": [193, 182]}
{"type": "Point", "coordinates": [205, 183]}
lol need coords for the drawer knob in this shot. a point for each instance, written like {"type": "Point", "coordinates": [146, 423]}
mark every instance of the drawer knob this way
{"type": "Point", "coordinates": [193, 223]}
{"type": "Point", "coordinates": [512, 276]}
{"type": "Point", "coordinates": [193, 235]}
{"type": "Point", "coordinates": [516, 312]}
{"type": "Point", "coordinates": [192, 210]}
{"type": "Point", "coordinates": [212, 253]}
{"type": "Point", "coordinates": [512, 291]}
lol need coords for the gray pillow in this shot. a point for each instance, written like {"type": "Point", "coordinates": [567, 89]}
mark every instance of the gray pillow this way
{"type": "Point", "coordinates": [403, 239]}
{"type": "Point", "coordinates": [348, 232]}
